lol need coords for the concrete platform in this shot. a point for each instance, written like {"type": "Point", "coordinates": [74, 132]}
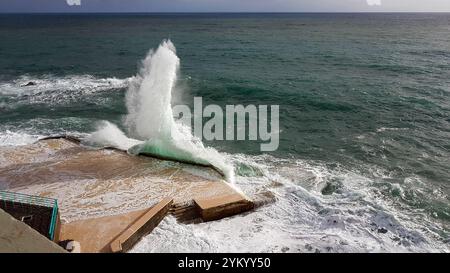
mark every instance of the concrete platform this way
{"type": "Point", "coordinates": [95, 184]}
{"type": "Point", "coordinates": [116, 233]}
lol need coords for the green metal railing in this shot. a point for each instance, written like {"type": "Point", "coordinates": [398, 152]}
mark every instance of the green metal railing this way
{"type": "Point", "coordinates": [37, 201]}
{"type": "Point", "coordinates": [53, 220]}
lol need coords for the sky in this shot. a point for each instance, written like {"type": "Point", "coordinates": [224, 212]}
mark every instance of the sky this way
{"type": "Point", "coordinates": [224, 6]}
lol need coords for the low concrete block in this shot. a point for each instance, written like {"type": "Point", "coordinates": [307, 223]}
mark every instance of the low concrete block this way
{"type": "Point", "coordinates": [219, 207]}
{"type": "Point", "coordinates": [141, 227]}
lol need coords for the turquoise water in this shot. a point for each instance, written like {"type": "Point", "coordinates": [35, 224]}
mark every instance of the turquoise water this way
{"type": "Point", "coordinates": [363, 97]}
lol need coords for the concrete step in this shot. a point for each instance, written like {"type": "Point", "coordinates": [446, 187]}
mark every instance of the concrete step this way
{"type": "Point", "coordinates": [141, 227]}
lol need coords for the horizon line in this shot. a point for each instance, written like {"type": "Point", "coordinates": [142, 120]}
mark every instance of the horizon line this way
{"type": "Point", "coordinates": [227, 12]}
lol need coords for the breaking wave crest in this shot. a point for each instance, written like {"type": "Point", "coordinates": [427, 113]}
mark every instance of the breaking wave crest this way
{"type": "Point", "coordinates": [150, 124]}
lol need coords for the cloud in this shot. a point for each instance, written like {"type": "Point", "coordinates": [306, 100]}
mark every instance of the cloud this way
{"type": "Point", "coordinates": [374, 2]}
{"type": "Point", "coordinates": [73, 2]}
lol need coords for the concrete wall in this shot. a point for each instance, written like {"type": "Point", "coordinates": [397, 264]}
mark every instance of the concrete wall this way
{"type": "Point", "coordinates": [18, 237]}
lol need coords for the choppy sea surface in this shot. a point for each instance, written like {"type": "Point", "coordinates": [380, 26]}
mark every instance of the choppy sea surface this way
{"type": "Point", "coordinates": [364, 155]}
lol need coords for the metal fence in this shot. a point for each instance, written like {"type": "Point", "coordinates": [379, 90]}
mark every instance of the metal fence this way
{"type": "Point", "coordinates": [17, 199]}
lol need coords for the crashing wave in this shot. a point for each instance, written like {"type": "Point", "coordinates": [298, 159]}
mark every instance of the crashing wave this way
{"type": "Point", "coordinates": [150, 124]}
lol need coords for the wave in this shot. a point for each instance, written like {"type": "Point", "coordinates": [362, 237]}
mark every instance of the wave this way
{"type": "Point", "coordinates": [109, 135]}
{"type": "Point", "coordinates": [351, 217]}
{"type": "Point", "coordinates": [9, 138]}
{"type": "Point", "coordinates": [384, 129]}
{"type": "Point", "coordinates": [150, 122]}
{"type": "Point", "coordinates": [27, 85]}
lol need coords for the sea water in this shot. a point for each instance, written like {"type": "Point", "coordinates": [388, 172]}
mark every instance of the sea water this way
{"type": "Point", "coordinates": [362, 163]}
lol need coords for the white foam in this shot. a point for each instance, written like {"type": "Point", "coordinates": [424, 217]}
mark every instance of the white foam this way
{"type": "Point", "coordinates": [149, 96]}
{"type": "Point", "coordinates": [384, 129]}
{"type": "Point", "coordinates": [9, 138]}
{"type": "Point", "coordinates": [302, 219]}
{"type": "Point", "coordinates": [51, 83]}
{"type": "Point", "coordinates": [109, 135]}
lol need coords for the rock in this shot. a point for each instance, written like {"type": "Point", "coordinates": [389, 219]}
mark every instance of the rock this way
{"type": "Point", "coordinates": [29, 84]}
{"type": "Point", "coordinates": [332, 187]}
{"type": "Point", "coordinates": [382, 230]}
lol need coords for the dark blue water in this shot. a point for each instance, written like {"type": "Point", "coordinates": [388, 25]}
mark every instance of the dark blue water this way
{"type": "Point", "coordinates": [365, 93]}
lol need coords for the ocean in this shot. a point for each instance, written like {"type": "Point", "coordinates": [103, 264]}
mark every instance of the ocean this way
{"type": "Point", "coordinates": [364, 154]}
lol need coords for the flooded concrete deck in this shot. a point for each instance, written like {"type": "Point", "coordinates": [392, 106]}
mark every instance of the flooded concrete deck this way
{"type": "Point", "coordinates": [94, 184]}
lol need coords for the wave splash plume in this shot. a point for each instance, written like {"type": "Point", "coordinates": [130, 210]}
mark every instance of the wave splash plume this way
{"type": "Point", "coordinates": [150, 124]}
